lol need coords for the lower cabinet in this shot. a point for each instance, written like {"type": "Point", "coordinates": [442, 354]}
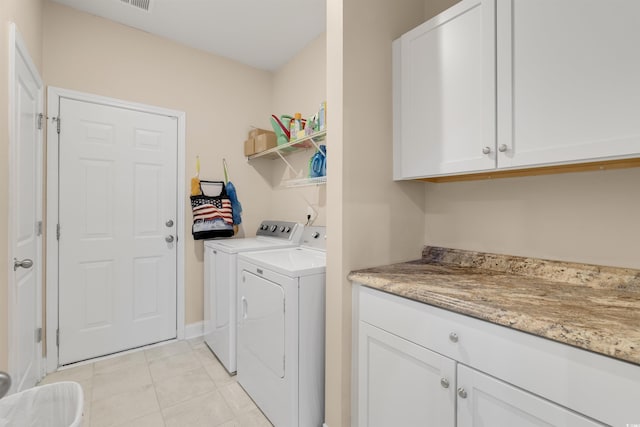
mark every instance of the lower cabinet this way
{"type": "Point", "coordinates": [403, 384]}
{"type": "Point", "coordinates": [487, 401]}
{"type": "Point", "coordinates": [418, 365]}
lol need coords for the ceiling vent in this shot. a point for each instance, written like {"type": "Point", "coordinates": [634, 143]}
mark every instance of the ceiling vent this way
{"type": "Point", "coordinates": [140, 4]}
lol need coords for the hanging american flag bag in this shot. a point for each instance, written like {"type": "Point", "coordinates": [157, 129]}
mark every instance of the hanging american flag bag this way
{"type": "Point", "coordinates": [212, 214]}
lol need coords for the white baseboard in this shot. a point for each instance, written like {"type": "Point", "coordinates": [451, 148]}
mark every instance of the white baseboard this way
{"type": "Point", "coordinates": [324, 425]}
{"type": "Point", "coordinates": [194, 330]}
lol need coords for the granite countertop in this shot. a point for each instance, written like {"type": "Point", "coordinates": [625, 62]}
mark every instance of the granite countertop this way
{"type": "Point", "coordinates": [591, 307]}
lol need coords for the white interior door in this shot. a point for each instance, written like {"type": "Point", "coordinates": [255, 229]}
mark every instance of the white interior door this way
{"type": "Point", "coordinates": [117, 216]}
{"type": "Point", "coordinates": [25, 220]}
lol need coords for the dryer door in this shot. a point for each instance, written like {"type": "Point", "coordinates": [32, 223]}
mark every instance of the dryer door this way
{"type": "Point", "coordinates": [261, 314]}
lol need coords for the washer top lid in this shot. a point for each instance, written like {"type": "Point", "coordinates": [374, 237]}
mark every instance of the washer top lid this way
{"type": "Point", "coordinates": [292, 262]}
{"type": "Point", "coordinates": [233, 246]}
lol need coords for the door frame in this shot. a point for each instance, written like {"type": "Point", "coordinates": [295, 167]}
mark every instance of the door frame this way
{"type": "Point", "coordinates": [18, 47]}
{"type": "Point", "coordinates": [54, 94]}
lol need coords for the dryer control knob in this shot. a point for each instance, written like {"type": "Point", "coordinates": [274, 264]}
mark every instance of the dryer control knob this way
{"type": "Point", "coordinates": [315, 235]}
{"type": "Point", "coordinates": [273, 228]}
{"type": "Point", "coordinates": [281, 229]}
{"type": "Point", "coordinates": [287, 230]}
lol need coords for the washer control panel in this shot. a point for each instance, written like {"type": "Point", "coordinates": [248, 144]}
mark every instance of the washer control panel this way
{"type": "Point", "coordinates": [280, 229]}
{"type": "Point", "coordinates": [314, 237]}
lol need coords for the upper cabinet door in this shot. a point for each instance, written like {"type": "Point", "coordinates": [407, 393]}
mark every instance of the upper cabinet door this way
{"type": "Point", "coordinates": [444, 93]}
{"type": "Point", "coordinates": [568, 81]}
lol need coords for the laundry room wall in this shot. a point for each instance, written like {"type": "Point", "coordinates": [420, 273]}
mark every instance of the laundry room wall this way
{"type": "Point", "coordinates": [222, 99]}
{"type": "Point", "coordinates": [300, 86]}
{"type": "Point", "coordinates": [27, 15]}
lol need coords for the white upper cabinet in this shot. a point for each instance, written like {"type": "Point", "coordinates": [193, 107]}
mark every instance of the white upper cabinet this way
{"type": "Point", "coordinates": [568, 81]}
{"type": "Point", "coordinates": [444, 90]}
{"type": "Point", "coordinates": [531, 83]}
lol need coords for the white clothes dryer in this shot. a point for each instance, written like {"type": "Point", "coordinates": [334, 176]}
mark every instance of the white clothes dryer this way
{"type": "Point", "coordinates": [220, 291]}
{"type": "Point", "coordinates": [281, 312]}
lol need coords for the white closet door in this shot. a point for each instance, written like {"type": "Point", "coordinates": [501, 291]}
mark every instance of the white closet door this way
{"type": "Point", "coordinates": [118, 179]}
{"type": "Point", "coordinates": [25, 207]}
{"type": "Point", "coordinates": [568, 80]}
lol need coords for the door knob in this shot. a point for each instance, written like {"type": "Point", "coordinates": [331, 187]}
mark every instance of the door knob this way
{"type": "Point", "coordinates": [169, 223]}
{"type": "Point", "coordinates": [486, 150]}
{"type": "Point", "coordinates": [503, 148]}
{"type": "Point", "coordinates": [444, 382]}
{"type": "Point", "coordinates": [462, 392]}
{"type": "Point", "coordinates": [25, 263]}
{"type": "Point", "coordinates": [169, 238]}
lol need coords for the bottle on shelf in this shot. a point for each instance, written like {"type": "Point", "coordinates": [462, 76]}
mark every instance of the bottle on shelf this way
{"type": "Point", "coordinates": [296, 126]}
{"type": "Point", "coordinates": [318, 163]}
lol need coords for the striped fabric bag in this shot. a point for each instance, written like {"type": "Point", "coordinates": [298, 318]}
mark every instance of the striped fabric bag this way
{"type": "Point", "coordinates": [212, 214]}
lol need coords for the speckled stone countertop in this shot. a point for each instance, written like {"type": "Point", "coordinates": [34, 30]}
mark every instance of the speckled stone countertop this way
{"type": "Point", "coordinates": [591, 307]}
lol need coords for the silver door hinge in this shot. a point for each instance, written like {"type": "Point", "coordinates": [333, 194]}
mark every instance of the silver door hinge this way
{"type": "Point", "coordinates": [57, 337]}
{"type": "Point", "coordinates": [40, 117]}
{"type": "Point", "coordinates": [58, 231]}
{"type": "Point", "coordinates": [57, 120]}
{"type": "Point", "coordinates": [39, 228]}
{"type": "Point", "coordinates": [38, 335]}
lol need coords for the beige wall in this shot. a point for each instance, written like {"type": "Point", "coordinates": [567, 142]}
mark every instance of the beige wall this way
{"type": "Point", "coordinates": [221, 98]}
{"type": "Point", "coordinates": [588, 217]}
{"type": "Point", "coordinates": [371, 220]}
{"type": "Point", "coordinates": [299, 86]}
{"type": "Point", "coordinates": [434, 7]}
{"type": "Point", "coordinates": [27, 14]}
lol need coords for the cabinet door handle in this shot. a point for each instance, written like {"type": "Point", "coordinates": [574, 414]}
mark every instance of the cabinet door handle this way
{"type": "Point", "coordinates": [486, 150]}
{"type": "Point", "coordinates": [503, 148]}
{"type": "Point", "coordinates": [462, 392]}
{"type": "Point", "coordinates": [453, 337]}
{"type": "Point", "coordinates": [444, 382]}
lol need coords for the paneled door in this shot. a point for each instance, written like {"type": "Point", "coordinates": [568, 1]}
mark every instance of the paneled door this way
{"type": "Point", "coordinates": [117, 215]}
{"type": "Point", "coordinates": [25, 221]}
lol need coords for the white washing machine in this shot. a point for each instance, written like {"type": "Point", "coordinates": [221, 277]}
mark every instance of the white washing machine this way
{"type": "Point", "coordinates": [281, 308]}
{"type": "Point", "coordinates": [220, 285]}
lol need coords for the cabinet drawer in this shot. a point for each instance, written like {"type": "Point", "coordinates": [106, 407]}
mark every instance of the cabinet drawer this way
{"type": "Point", "coordinates": [600, 387]}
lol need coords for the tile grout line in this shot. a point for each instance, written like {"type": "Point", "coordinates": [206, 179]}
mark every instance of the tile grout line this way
{"type": "Point", "coordinates": [155, 391]}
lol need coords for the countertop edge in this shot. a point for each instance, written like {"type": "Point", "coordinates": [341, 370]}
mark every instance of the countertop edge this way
{"type": "Point", "coordinates": [620, 349]}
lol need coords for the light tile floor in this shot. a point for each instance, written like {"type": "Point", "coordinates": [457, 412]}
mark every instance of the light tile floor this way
{"type": "Point", "coordinates": [178, 384]}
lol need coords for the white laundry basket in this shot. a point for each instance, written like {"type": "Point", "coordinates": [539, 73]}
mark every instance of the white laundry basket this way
{"type": "Point", "coordinates": [52, 405]}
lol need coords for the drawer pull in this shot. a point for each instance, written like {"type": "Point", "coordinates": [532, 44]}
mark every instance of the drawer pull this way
{"type": "Point", "coordinates": [453, 337]}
